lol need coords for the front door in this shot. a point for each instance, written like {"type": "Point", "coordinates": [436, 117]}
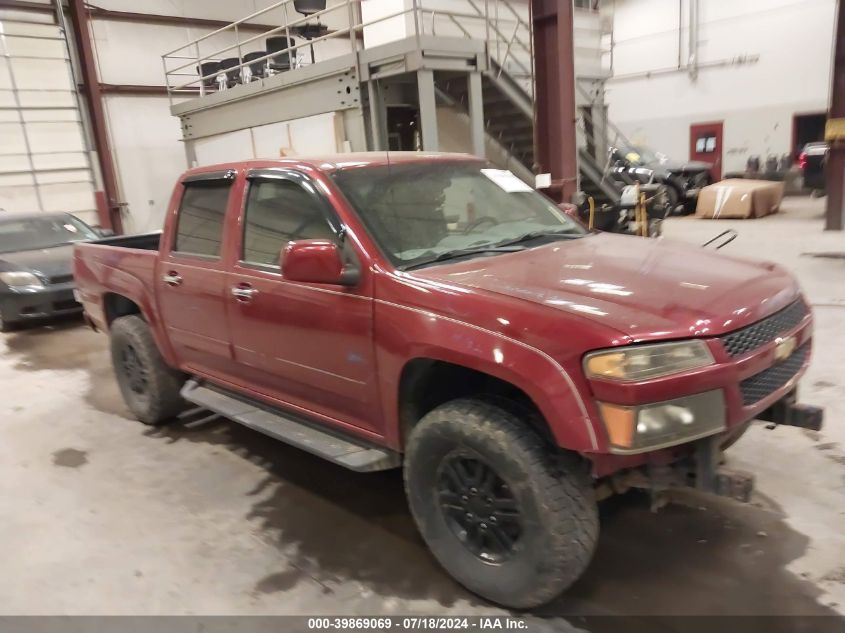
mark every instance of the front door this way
{"type": "Point", "coordinates": [706, 146]}
{"type": "Point", "coordinates": [309, 346]}
{"type": "Point", "coordinates": [191, 279]}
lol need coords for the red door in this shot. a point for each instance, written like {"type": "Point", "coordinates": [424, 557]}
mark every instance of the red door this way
{"type": "Point", "coordinates": [191, 276]}
{"type": "Point", "coordinates": [306, 345]}
{"type": "Point", "coordinates": [705, 145]}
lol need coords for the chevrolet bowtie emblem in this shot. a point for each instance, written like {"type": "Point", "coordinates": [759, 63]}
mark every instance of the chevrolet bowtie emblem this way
{"type": "Point", "coordinates": [784, 347]}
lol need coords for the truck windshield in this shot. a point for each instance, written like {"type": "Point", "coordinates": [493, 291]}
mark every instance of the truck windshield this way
{"type": "Point", "coordinates": [423, 212]}
{"type": "Point", "coordinates": [32, 233]}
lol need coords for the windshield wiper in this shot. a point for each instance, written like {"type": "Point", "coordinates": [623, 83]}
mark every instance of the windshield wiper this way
{"type": "Point", "coordinates": [463, 252]}
{"type": "Point", "coordinates": [508, 246]}
{"type": "Point", "coordinates": [533, 235]}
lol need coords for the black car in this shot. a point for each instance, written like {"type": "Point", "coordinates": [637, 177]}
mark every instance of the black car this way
{"type": "Point", "coordinates": [36, 253]}
{"type": "Point", "coordinates": [683, 180]}
{"type": "Point", "coordinates": [812, 161]}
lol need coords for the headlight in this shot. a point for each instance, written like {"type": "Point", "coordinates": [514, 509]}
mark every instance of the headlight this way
{"type": "Point", "coordinates": [662, 424]}
{"type": "Point", "coordinates": [21, 280]}
{"type": "Point", "coordinates": [641, 362]}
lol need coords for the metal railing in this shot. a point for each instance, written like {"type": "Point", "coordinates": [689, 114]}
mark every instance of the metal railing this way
{"type": "Point", "coordinates": [602, 135]}
{"type": "Point", "coordinates": [506, 33]}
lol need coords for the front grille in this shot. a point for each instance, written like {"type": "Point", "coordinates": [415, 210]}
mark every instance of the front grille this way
{"type": "Point", "coordinates": [750, 338]}
{"type": "Point", "coordinates": [770, 380]}
{"type": "Point", "coordinates": [60, 279]}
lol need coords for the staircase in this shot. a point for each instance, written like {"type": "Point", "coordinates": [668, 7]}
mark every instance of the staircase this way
{"type": "Point", "coordinates": [508, 111]}
{"type": "Point", "coordinates": [509, 120]}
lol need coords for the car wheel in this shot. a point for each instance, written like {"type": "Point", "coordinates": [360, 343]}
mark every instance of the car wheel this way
{"type": "Point", "coordinates": [149, 387]}
{"type": "Point", "coordinates": [509, 517]}
{"type": "Point", "coordinates": [7, 326]}
{"type": "Point", "coordinates": [673, 199]}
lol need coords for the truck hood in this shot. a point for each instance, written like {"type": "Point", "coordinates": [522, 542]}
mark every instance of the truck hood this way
{"type": "Point", "coordinates": [646, 289]}
{"type": "Point", "coordinates": [45, 262]}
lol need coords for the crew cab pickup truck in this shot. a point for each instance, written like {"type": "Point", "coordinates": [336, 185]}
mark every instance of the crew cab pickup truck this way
{"type": "Point", "coordinates": [431, 312]}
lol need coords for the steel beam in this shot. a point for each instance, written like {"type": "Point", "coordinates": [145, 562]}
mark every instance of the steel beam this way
{"type": "Point", "coordinates": [292, 101]}
{"type": "Point", "coordinates": [835, 176]}
{"type": "Point", "coordinates": [131, 89]}
{"type": "Point", "coordinates": [555, 115]}
{"type": "Point", "coordinates": [428, 110]}
{"type": "Point", "coordinates": [110, 216]}
{"type": "Point", "coordinates": [476, 113]}
{"type": "Point", "coordinates": [378, 115]}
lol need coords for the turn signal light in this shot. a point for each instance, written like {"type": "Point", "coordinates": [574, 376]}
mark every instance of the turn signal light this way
{"type": "Point", "coordinates": [619, 422]}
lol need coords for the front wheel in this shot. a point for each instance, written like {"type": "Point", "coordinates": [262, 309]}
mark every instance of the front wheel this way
{"type": "Point", "coordinates": [508, 517]}
{"type": "Point", "coordinates": [149, 387]}
{"type": "Point", "coordinates": [7, 326]}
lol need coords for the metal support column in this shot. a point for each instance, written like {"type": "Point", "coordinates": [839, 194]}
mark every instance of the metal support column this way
{"type": "Point", "coordinates": [378, 115]}
{"type": "Point", "coordinates": [476, 113]}
{"type": "Point", "coordinates": [835, 134]}
{"type": "Point", "coordinates": [428, 110]}
{"type": "Point", "coordinates": [110, 216]}
{"type": "Point", "coordinates": [555, 116]}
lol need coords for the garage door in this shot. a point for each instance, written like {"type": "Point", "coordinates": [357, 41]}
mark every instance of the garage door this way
{"type": "Point", "coordinates": [44, 162]}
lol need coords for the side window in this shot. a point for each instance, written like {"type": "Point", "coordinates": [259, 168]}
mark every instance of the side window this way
{"type": "Point", "coordinates": [277, 212]}
{"type": "Point", "coordinates": [199, 230]}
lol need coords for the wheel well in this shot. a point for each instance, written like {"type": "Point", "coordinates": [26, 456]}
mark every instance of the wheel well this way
{"type": "Point", "coordinates": [426, 384]}
{"type": "Point", "coordinates": [116, 305]}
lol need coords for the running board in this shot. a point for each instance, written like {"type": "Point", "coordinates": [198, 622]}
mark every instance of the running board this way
{"type": "Point", "coordinates": [340, 450]}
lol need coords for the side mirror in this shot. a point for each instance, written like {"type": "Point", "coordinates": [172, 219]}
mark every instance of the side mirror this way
{"type": "Point", "coordinates": [316, 262]}
{"type": "Point", "coordinates": [104, 232]}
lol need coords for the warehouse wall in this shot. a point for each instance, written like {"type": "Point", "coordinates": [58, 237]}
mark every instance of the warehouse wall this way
{"type": "Point", "coordinates": [756, 101]}
{"type": "Point", "coordinates": [44, 158]}
{"type": "Point", "coordinates": [145, 137]}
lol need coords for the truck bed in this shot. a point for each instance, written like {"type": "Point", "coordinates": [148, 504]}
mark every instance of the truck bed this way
{"type": "Point", "coordinates": [122, 265]}
{"type": "Point", "coordinates": [143, 241]}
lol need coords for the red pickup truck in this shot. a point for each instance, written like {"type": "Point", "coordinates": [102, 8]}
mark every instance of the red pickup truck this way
{"type": "Point", "coordinates": [431, 312]}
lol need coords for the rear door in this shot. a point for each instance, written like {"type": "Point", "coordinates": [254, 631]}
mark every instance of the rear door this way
{"type": "Point", "coordinates": [191, 279]}
{"type": "Point", "coordinates": [307, 345]}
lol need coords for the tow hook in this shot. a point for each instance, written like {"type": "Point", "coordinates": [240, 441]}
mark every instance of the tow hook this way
{"type": "Point", "coordinates": [791, 413]}
{"type": "Point", "coordinates": [702, 471]}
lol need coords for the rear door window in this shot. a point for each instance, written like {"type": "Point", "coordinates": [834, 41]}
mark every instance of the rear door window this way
{"type": "Point", "coordinates": [199, 229]}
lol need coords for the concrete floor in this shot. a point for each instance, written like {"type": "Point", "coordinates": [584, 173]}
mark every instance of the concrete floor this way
{"type": "Point", "coordinates": [102, 515]}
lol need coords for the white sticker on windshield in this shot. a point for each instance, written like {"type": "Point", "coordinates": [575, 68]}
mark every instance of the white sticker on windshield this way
{"type": "Point", "coordinates": [506, 180]}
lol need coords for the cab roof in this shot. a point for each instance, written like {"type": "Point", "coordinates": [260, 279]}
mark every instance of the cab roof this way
{"type": "Point", "coordinates": [334, 162]}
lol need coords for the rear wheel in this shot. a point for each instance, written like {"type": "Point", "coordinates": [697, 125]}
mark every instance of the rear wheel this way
{"type": "Point", "coordinates": [149, 387]}
{"type": "Point", "coordinates": [509, 518]}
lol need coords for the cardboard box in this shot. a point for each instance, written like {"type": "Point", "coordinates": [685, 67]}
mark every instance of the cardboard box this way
{"type": "Point", "coordinates": [739, 198]}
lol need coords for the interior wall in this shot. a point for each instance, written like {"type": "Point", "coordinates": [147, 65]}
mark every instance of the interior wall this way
{"type": "Point", "coordinates": [145, 138]}
{"type": "Point", "coordinates": [756, 101]}
{"type": "Point", "coordinates": [44, 159]}
{"type": "Point", "coordinates": [316, 135]}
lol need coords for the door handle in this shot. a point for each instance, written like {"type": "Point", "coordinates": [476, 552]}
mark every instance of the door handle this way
{"type": "Point", "coordinates": [244, 293]}
{"type": "Point", "coordinates": [172, 279]}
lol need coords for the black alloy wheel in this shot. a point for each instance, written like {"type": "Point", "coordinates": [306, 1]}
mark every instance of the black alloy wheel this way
{"type": "Point", "coordinates": [479, 508]}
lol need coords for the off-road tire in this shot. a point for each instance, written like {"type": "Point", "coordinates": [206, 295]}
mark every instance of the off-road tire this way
{"type": "Point", "coordinates": [159, 401]}
{"type": "Point", "coordinates": [553, 492]}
